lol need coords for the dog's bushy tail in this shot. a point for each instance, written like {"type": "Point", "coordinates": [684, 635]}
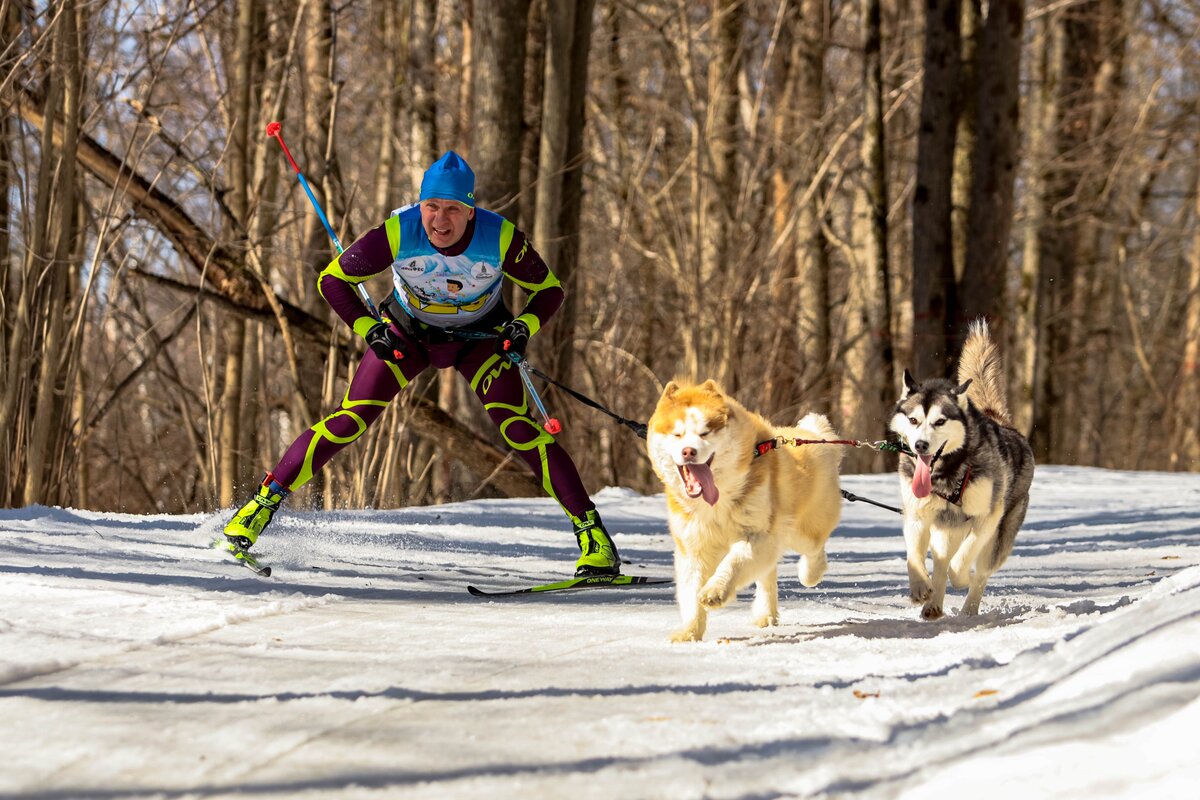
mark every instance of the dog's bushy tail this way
{"type": "Point", "coordinates": [980, 363]}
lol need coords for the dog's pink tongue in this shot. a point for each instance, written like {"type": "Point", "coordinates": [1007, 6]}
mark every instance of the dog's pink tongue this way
{"type": "Point", "coordinates": [922, 483]}
{"type": "Point", "coordinates": [699, 476]}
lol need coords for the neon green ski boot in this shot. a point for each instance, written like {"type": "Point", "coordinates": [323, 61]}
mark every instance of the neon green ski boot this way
{"type": "Point", "coordinates": [599, 554]}
{"type": "Point", "coordinates": [253, 518]}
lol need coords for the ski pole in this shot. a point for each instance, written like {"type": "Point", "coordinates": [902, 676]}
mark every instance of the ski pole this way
{"type": "Point", "coordinates": [553, 426]}
{"type": "Point", "coordinates": [275, 130]}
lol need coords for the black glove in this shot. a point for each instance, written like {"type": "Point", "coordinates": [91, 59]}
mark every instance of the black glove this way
{"type": "Point", "coordinates": [514, 338]}
{"type": "Point", "coordinates": [385, 342]}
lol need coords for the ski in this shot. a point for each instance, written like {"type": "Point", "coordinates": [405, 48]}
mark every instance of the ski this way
{"type": "Point", "coordinates": [251, 563]}
{"type": "Point", "coordinates": [243, 557]}
{"type": "Point", "coordinates": [588, 582]}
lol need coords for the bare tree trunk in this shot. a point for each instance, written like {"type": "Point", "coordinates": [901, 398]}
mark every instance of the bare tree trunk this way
{"type": "Point", "coordinates": [1055, 428]}
{"type": "Point", "coordinates": [933, 285]}
{"type": "Point", "coordinates": [320, 133]}
{"type": "Point", "coordinates": [552, 150]}
{"type": "Point", "coordinates": [22, 393]}
{"type": "Point", "coordinates": [423, 132]}
{"type": "Point", "coordinates": [465, 117]}
{"type": "Point", "coordinates": [1096, 288]}
{"type": "Point", "coordinates": [531, 134]}
{"type": "Point", "coordinates": [561, 208]}
{"type": "Point", "coordinates": [782, 384]}
{"type": "Point", "coordinates": [231, 455]}
{"type": "Point", "coordinates": [84, 462]}
{"type": "Point", "coordinates": [320, 130]}
{"type": "Point", "coordinates": [1185, 430]}
{"type": "Point", "coordinates": [723, 132]}
{"type": "Point", "coordinates": [983, 289]}
{"type": "Point", "coordinates": [396, 19]}
{"type": "Point", "coordinates": [1029, 369]}
{"type": "Point", "coordinates": [865, 407]}
{"type": "Point", "coordinates": [262, 350]}
{"type": "Point", "coordinates": [7, 175]}
{"type": "Point", "coordinates": [971, 25]}
{"type": "Point", "coordinates": [48, 423]}
{"type": "Point", "coordinates": [813, 294]}
{"type": "Point", "coordinates": [499, 88]}
{"type": "Point", "coordinates": [8, 378]}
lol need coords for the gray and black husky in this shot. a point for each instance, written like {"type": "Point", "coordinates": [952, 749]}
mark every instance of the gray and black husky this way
{"type": "Point", "coordinates": [966, 489]}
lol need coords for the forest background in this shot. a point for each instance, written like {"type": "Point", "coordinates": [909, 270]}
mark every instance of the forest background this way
{"type": "Point", "coordinates": [799, 198]}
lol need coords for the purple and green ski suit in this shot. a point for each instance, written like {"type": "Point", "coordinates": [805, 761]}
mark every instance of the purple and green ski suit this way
{"type": "Point", "coordinates": [438, 291]}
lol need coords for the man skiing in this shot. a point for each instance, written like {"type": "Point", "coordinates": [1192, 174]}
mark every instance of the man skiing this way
{"type": "Point", "coordinates": [448, 259]}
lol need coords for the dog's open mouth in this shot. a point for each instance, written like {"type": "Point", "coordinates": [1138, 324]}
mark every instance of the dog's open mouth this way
{"type": "Point", "coordinates": [922, 482]}
{"type": "Point", "coordinates": [698, 481]}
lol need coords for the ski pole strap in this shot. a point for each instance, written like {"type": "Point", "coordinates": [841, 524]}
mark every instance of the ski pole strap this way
{"type": "Point", "coordinates": [639, 428]}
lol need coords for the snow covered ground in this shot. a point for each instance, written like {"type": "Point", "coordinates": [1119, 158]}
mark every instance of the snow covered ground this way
{"type": "Point", "coordinates": [134, 662]}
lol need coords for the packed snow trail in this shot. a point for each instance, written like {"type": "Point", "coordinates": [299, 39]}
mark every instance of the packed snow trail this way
{"type": "Point", "coordinates": [135, 661]}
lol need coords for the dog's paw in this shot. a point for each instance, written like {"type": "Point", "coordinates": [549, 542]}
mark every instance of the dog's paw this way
{"type": "Point", "coordinates": [688, 634]}
{"type": "Point", "coordinates": [919, 592]}
{"type": "Point", "coordinates": [812, 569]}
{"type": "Point", "coordinates": [714, 595]}
{"type": "Point", "coordinates": [969, 609]}
{"type": "Point", "coordinates": [932, 611]}
{"type": "Point", "coordinates": [766, 621]}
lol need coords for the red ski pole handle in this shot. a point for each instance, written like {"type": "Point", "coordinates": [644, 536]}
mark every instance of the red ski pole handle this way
{"type": "Point", "coordinates": [274, 129]}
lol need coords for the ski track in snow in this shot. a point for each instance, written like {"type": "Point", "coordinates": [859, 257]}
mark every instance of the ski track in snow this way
{"type": "Point", "coordinates": [135, 661]}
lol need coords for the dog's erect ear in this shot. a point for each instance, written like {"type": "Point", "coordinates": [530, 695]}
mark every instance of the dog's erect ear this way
{"type": "Point", "coordinates": [960, 392]}
{"type": "Point", "coordinates": [910, 385]}
{"type": "Point", "coordinates": [711, 387]}
{"type": "Point", "coordinates": [670, 389]}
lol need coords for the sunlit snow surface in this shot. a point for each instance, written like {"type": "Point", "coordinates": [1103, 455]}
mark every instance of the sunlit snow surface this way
{"type": "Point", "coordinates": [136, 662]}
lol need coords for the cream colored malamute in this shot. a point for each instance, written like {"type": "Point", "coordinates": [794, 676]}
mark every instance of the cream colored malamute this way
{"type": "Point", "coordinates": [733, 513]}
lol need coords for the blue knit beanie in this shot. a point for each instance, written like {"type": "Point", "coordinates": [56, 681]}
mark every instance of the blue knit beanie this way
{"type": "Point", "coordinates": [449, 179]}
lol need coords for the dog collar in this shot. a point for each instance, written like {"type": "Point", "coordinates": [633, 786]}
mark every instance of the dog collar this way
{"type": "Point", "coordinates": [955, 497]}
{"type": "Point", "coordinates": [764, 447]}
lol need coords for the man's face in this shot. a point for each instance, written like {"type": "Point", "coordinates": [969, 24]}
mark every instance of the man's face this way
{"type": "Point", "coordinates": [445, 221]}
